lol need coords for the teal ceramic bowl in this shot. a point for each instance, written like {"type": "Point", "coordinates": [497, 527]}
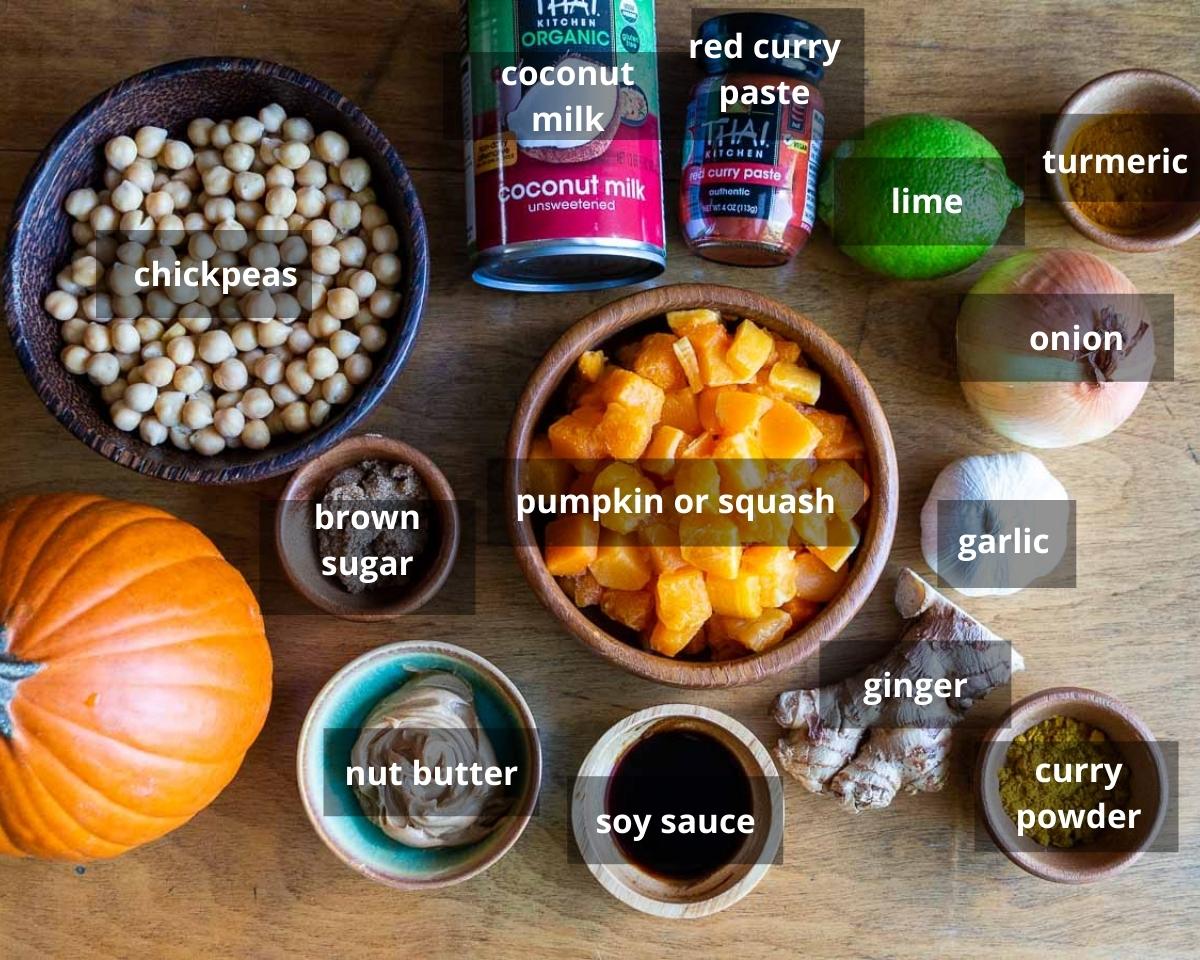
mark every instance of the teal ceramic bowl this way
{"type": "Point", "coordinates": [329, 733]}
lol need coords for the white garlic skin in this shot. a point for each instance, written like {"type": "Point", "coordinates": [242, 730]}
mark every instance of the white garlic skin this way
{"type": "Point", "coordinates": [996, 476]}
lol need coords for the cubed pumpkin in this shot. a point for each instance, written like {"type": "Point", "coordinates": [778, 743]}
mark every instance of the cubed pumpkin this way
{"type": "Point", "coordinates": [737, 411]}
{"type": "Point", "coordinates": [624, 478]}
{"type": "Point", "coordinates": [741, 463]}
{"type": "Point", "coordinates": [635, 392]}
{"type": "Point", "coordinates": [749, 350]}
{"type": "Point", "coordinates": [662, 542]}
{"type": "Point", "coordinates": [683, 322]}
{"type": "Point", "coordinates": [787, 350]}
{"type": "Point", "coordinates": [546, 474]}
{"type": "Point", "coordinates": [571, 544]}
{"type": "Point", "coordinates": [764, 631]}
{"type": "Point", "coordinates": [621, 563]}
{"type": "Point", "coordinates": [801, 611]}
{"type": "Point", "coordinates": [576, 437]}
{"type": "Point", "coordinates": [810, 528]}
{"type": "Point", "coordinates": [699, 448]}
{"type": "Point", "coordinates": [591, 365]}
{"type": "Point", "coordinates": [849, 446]}
{"type": "Point", "coordinates": [798, 383]}
{"type": "Point", "coordinates": [656, 361]}
{"type": "Point", "coordinates": [625, 431]}
{"type": "Point", "coordinates": [668, 642]}
{"type": "Point", "coordinates": [681, 600]}
{"type": "Point", "coordinates": [740, 597]}
{"type": "Point", "coordinates": [711, 543]}
{"type": "Point", "coordinates": [711, 344]}
{"type": "Point", "coordinates": [842, 538]}
{"type": "Point", "coordinates": [680, 411]}
{"type": "Point", "coordinates": [697, 478]}
{"type": "Point", "coordinates": [775, 568]}
{"type": "Point", "coordinates": [815, 582]}
{"type": "Point", "coordinates": [633, 608]}
{"type": "Point", "coordinates": [583, 589]}
{"type": "Point", "coordinates": [838, 479]}
{"type": "Point", "coordinates": [785, 434]}
{"type": "Point", "coordinates": [663, 449]}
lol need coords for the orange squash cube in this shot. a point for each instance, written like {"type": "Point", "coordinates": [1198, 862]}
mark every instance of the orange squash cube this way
{"type": "Point", "coordinates": [633, 608]}
{"type": "Point", "coordinates": [784, 433]}
{"type": "Point", "coordinates": [698, 478]}
{"type": "Point", "coordinates": [683, 322]}
{"type": "Point", "coordinates": [545, 474]}
{"type": "Point", "coordinates": [737, 411]}
{"type": "Point", "coordinates": [772, 529]}
{"type": "Point", "coordinates": [775, 569]}
{"type": "Point", "coordinates": [815, 582]}
{"type": "Point", "coordinates": [591, 365]}
{"type": "Point", "coordinates": [849, 446]}
{"type": "Point", "coordinates": [764, 631]}
{"type": "Point", "coordinates": [662, 541]}
{"type": "Point", "coordinates": [621, 563]}
{"type": "Point", "coordinates": [751, 347]}
{"type": "Point", "coordinates": [741, 463]}
{"type": "Point", "coordinates": [838, 479]}
{"type": "Point", "coordinates": [682, 600]}
{"type": "Point", "coordinates": [624, 431]}
{"type": "Point", "coordinates": [576, 437]}
{"type": "Point", "coordinates": [583, 589]}
{"type": "Point", "coordinates": [670, 642]}
{"type": "Point", "coordinates": [787, 350]}
{"type": "Point", "coordinates": [706, 406]}
{"type": "Point", "coordinates": [711, 344]}
{"type": "Point", "coordinates": [711, 543]}
{"type": "Point", "coordinates": [625, 478]}
{"type": "Point", "coordinates": [663, 449]}
{"type": "Point", "coordinates": [841, 538]}
{"type": "Point", "coordinates": [801, 611]}
{"type": "Point", "coordinates": [740, 597]}
{"type": "Point", "coordinates": [795, 382]}
{"type": "Point", "coordinates": [685, 353]}
{"type": "Point", "coordinates": [656, 361]}
{"type": "Point", "coordinates": [679, 411]}
{"type": "Point", "coordinates": [810, 528]}
{"type": "Point", "coordinates": [571, 544]}
{"type": "Point", "coordinates": [635, 392]}
{"type": "Point", "coordinates": [699, 449]}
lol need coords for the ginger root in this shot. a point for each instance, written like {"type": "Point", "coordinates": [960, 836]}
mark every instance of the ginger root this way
{"type": "Point", "coordinates": [864, 755]}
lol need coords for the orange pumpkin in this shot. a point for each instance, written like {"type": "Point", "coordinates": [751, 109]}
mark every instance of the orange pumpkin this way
{"type": "Point", "coordinates": [134, 675]}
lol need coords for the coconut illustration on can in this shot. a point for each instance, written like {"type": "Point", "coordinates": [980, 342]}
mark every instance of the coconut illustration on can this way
{"type": "Point", "coordinates": [562, 143]}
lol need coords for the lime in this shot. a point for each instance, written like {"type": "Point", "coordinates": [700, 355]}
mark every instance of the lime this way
{"type": "Point", "coordinates": [917, 196]}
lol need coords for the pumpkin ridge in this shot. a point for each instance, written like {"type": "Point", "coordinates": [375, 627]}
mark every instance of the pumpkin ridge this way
{"type": "Point", "coordinates": [91, 548]}
{"type": "Point", "coordinates": [111, 801]}
{"type": "Point", "coordinates": [20, 588]}
{"type": "Point", "coordinates": [76, 614]}
{"type": "Point", "coordinates": [32, 808]}
{"type": "Point", "coordinates": [151, 647]}
{"type": "Point", "coordinates": [188, 761]}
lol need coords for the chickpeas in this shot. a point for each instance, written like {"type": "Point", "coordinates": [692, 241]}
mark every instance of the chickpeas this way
{"type": "Point", "coordinates": [207, 367]}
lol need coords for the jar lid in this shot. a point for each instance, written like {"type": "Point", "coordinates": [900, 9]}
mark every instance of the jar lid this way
{"type": "Point", "coordinates": [776, 29]}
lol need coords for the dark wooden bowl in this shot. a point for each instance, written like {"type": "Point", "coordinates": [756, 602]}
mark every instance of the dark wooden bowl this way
{"type": "Point", "coordinates": [296, 541]}
{"type": "Point", "coordinates": [839, 371]}
{"type": "Point", "coordinates": [1149, 788]}
{"type": "Point", "coordinates": [39, 244]}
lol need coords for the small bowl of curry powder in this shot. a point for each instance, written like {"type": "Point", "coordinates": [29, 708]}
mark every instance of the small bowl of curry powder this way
{"type": "Point", "coordinates": [1071, 785]}
{"type": "Point", "coordinates": [1124, 160]}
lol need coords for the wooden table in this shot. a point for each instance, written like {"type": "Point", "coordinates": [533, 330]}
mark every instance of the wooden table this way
{"type": "Point", "coordinates": [249, 878]}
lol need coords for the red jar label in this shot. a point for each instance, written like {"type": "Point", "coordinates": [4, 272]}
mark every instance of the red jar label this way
{"type": "Point", "coordinates": [750, 173]}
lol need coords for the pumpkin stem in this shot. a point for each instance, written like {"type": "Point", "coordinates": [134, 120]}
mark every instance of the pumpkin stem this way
{"type": "Point", "coordinates": [12, 670]}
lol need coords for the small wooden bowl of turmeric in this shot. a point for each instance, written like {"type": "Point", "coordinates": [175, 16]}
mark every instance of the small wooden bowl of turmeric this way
{"type": "Point", "coordinates": [1150, 203]}
{"type": "Point", "coordinates": [694, 390]}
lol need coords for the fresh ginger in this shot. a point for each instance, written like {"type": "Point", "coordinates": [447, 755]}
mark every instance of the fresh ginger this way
{"type": "Point", "coordinates": [864, 755]}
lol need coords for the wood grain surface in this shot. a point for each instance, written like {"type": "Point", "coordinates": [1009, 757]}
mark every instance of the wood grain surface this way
{"type": "Point", "coordinates": [248, 878]}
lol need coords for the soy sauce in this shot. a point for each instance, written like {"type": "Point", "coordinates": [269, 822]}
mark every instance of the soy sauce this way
{"type": "Point", "coordinates": [676, 772]}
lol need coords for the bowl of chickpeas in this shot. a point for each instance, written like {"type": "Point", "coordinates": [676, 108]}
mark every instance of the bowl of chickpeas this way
{"type": "Point", "coordinates": [215, 270]}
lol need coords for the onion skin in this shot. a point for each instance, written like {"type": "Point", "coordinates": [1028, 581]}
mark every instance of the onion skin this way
{"type": "Point", "coordinates": [1072, 400]}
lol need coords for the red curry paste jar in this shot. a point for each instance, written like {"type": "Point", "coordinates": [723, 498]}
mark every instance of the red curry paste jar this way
{"type": "Point", "coordinates": [748, 193]}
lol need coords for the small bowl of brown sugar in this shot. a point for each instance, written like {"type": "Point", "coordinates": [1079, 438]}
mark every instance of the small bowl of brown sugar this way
{"type": "Point", "coordinates": [369, 530]}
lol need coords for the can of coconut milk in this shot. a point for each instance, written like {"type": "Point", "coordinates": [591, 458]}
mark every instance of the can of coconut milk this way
{"type": "Point", "coordinates": [562, 143]}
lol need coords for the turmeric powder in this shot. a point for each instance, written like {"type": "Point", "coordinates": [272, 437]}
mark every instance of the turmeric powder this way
{"type": "Point", "coordinates": [1062, 744]}
{"type": "Point", "coordinates": [1108, 187]}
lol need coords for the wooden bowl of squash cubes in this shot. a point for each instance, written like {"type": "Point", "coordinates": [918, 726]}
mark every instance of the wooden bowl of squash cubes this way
{"type": "Point", "coordinates": [701, 485]}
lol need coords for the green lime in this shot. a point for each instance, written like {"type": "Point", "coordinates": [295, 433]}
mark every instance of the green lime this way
{"type": "Point", "coordinates": [917, 196]}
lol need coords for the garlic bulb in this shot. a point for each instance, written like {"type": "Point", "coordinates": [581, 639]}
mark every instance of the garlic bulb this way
{"type": "Point", "coordinates": [995, 492]}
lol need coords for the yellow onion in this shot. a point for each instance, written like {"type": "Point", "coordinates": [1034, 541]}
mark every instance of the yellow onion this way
{"type": "Point", "coordinates": [1054, 397]}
